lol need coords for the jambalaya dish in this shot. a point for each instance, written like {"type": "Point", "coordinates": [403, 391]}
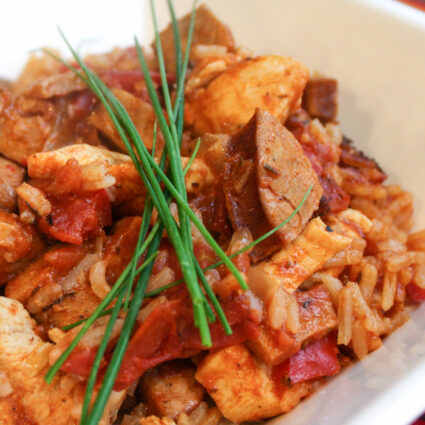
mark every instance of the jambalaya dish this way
{"type": "Point", "coordinates": [113, 309]}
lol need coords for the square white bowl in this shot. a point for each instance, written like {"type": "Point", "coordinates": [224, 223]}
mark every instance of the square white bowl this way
{"type": "Point", "coordinates": [376, 50]}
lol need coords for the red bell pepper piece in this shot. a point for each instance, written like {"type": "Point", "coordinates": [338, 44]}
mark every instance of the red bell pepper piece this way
{"type": "Point", "coordinates": [317, 360]}
{"type": "Point", "coordinates": [415, 292]}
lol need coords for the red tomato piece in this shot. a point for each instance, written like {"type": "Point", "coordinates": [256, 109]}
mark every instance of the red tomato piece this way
{"type": "Point", "coordinates": [154, 342]}
{"type": "Point", "coordinates": [415, 292]}
{"type": "Point", "coordinates": [75, 218]}
{"type": "Point", "coordinates": [81, 103]}
{"type": "Point", "coordinates": [80, 362]}
{"type": "Point", "coordinates": [126, 79]}
{"type": "Point", "coordinates": [64, 258]}
{"type": "Point", "coordinates": [315, 361]}
{"type": "Point", "coordinates": [166, 334]}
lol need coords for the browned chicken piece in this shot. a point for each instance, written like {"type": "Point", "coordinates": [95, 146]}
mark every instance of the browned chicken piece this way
{"type": "Point", "coordinates": [56, 85]}
{"type": "Point", "coordinates": [208, 30]}
{"type": "Point", "coordinates": [141, 113]}
{"type": "Point", "coordinates": [266, 176]}
{"type": "Point", "coordinates": [171, 389]}
{"type": "Point", "coordinates": [76, 305]}
{"type": "Point", "coordinates": [11, 176]}
{"type": "Point", "coordinates": [36, 275]}
{"type": "Point", "coordinates": [291, 266]}
{"type": "Point", "coordinates": [29, 238]}
{"type": "Point", "coordinates": [320, 98]}
{"type": "Point", "coordinates": [55, 288]}
{"type": "Point", "coordinates": [317, 317]}
{"type": "Point", "coordinates": [24, 361]}
{"type": "Point", "coordinates": [25, 125]}
{"type": "Point", "coordinates": [272, 83]}
{"type": "Point", "coordinates": [273, 346]}
{"type": "Point", "coordinates": [38, 66]}
{"type": "Point", "coordinates": [242, 387]}
{"type": "Point", "coordinates": [15, 238]}
{"type": "Point", "coordinates": [89, 168]}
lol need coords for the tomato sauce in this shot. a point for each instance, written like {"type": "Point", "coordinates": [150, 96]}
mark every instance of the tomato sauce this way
{"type": "Point", "coordinates": [75, 218]}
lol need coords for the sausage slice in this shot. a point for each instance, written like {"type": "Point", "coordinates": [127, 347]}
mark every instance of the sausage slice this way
{"type": "Point", "coordinates": [266, 175]}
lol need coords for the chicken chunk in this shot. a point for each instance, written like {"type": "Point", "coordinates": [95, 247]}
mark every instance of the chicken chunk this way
{"type": "Point", "coordinates": [272, 83]}
{"type": "Point", "coordinates": [289, 267]}
{"type": "Point", "coordinates": [56, 85]}
{"type": "Point", "coordinates": [208, 30]}
{"type": "Point", "coordinates": [25, 125]}
{"type": "Point", "coordinates": [98, 168]}
{"type": "Point", "coordinates": [11, 176]}
{"type": "Point", "coordinates": [24, 358]}
{"type": "Point", "coordinates": [141, 113]}
{"type": "Point", "coordinates": [76, 168]}
{"type": "Point", "coordinates": [317, 317]}
{"type": "Point", "coordinates": [57, 294]}
{"type": "Point", "coordinates": [39, 65]}
{"type": "Point", "coordinates": [42, 165]}
{"type": "Point", "coordinates": [273, 346]}
{"type": "Point", "coordinates": [15, 238]}
{"type": "Point", "coordinates": [266, 176]}
{"type": "Point", "coordinates": [171, 389]}
{"type": "Point", "coordinates": [242, 387]}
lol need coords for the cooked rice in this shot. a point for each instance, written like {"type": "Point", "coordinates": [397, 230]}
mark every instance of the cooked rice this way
{"type": "Point", "coordinates": [359, 335]}
{"type": "Point", "coordinates": [368, 281]}
{"type": "Point", "coordinates": [345, 316]}
{"type": "Point", "coordinates": [97, 279]}
{"type": "Point", "coordinates": [35, 199]}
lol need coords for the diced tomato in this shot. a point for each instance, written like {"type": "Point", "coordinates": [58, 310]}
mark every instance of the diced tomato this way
{"type": "Point", "coordinates": [169, 333]}
{"type": "Point", "coordinates": [80, 362]}
{"type": "Point", "coordinates": [237, 314]}
{"type": "Point", "coordinates": [155, 342]}
{"type": "Point", "coordinates": [415, 292]}
{"type": "Point", "coordinates": [81, 104]}
{"type": "Point", "coordinates": [127, 79]}
{"type": "Point", "coordinates": [75, 218]}
{"type": "Point", "coordinates": [64, 258]}
{"type": "Point", "coordinates": [156, 77]}
{"type": "Point", "coordinates": [315, 161]}
{"type": "Point", "coordinates": [315, 361]}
